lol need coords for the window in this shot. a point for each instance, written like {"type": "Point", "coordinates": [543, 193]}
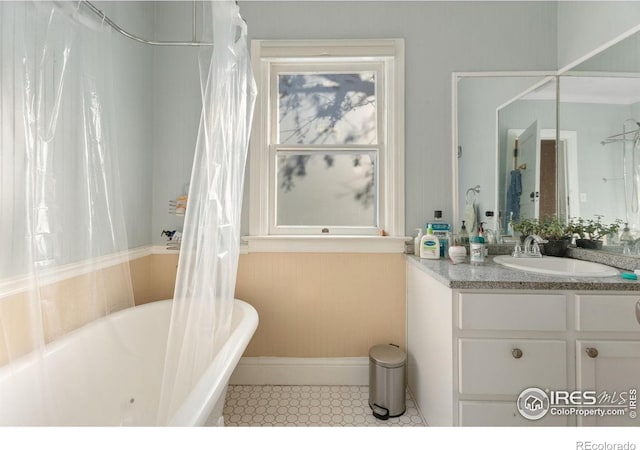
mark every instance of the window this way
{"type": "Point", "coordinates": [327, 156]}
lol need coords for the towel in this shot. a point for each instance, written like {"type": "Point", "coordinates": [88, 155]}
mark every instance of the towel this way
{"type": "Point", "coordinates": [470, 218]}
{"type": "Point", "coordinates": [513, 195]}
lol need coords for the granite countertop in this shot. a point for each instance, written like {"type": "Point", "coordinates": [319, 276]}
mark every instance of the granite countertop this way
{"type": "Point", "coordinates": [492, 275]}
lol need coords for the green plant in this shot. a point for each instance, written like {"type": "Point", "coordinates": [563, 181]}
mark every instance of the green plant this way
{"type": "Point", "coordinates": [549, 228]}
{"type": "Point", "coordinates": [527, 227]}
{"type": "Point", "coordinates": [592, 229]}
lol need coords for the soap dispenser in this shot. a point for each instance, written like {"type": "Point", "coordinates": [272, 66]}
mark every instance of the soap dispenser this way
{"type": "Point", "coordinates": [626, 238]}
{"type": "Point", "coordinates": [417, 241]}
{"type": "Point", "coordinates": [430, 245]}
{"type": "Point", "coordinates": [464, 235]}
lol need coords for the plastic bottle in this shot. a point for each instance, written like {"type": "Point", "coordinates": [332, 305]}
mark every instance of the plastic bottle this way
{"type": "Point", "coordinates": [417, 241]}
{"type": "Point", "coordinates": [494, 222]}
{"type": "Point", "coordinates": [627, 239]}
{"type": "Point", "coordinates": [477, 249]}
{"type": "Point", "coordinates": [464, 235]}
{"type": "Point", "coordinates": [430, 245]}
{"type": "Point", "coordinates": [443, 232]}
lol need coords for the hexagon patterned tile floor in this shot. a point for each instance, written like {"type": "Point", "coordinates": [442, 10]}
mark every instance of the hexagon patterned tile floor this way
{"type": "Point", "coordinates": [308, 406]}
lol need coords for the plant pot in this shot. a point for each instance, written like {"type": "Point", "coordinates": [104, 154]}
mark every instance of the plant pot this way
{"type": "Point", "coordinates": [589, 244]}
{"type": "Point", "coordinates": [556, 247]}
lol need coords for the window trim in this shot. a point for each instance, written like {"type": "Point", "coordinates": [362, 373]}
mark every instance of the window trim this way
{"type": "Point", "coordinates": [266, 53]}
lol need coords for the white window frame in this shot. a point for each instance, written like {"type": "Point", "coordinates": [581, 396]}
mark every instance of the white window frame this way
{"type": "Point", "coordinates": [388, 55]}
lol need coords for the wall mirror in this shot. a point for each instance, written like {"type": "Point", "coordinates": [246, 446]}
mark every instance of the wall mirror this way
{"type": "Point", "coordinates": [600, 99]}
{"type": "Point", "coordinates": [493, 110]}
{"type": "Point", "coordinates": [570, 142]}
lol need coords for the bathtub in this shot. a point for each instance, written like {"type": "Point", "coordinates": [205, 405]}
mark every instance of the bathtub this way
{"type": "Point", "coordinates": [124, 353]}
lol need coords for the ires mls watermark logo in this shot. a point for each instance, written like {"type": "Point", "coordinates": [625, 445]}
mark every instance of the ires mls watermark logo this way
{"type": "Point", "coordinates": [534, 403]}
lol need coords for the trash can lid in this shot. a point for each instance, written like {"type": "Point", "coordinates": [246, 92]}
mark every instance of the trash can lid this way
{"type": "Point", "coordinates": [387, 356]}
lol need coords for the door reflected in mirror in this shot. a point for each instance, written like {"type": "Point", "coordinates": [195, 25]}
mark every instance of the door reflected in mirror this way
{"type": "Point", "coordinates": [538, 169]}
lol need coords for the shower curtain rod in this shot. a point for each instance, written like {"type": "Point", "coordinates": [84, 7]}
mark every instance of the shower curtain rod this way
{"type": "Point", "coordinates": [193, 43]}
{"type": "Point", "coordinates": [623, 134]}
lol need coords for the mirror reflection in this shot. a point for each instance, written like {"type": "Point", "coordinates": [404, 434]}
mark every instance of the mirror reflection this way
{"type": "Point", "coordinates": [490, 111]}
{"type": "Point", "coordinates": [612, 77]}
{"type": "Point", "coordinates": [590, 168]}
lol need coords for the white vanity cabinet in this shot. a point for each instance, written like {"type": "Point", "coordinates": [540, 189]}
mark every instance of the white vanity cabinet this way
{"type": "Point", "coordinates": [471, 352]}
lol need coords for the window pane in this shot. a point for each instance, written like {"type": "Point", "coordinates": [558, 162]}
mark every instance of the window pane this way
{"type": "Point", "coordinates": [327, 190]}
{"type": "Point", "coordinates": [327, 108]}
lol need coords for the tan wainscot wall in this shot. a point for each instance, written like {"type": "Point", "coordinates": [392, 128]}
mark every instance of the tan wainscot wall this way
{"type": "Point", "coordinates": [309, 304]}
{"type": "Point", "coordinates": [65, 307]}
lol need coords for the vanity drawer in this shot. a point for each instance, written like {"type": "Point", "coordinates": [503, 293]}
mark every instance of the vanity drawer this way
{"type": "Point", "coordinates": [502, 414]}
{"type": "Point", "coordinates": [508, 366]}
{"type": "Point", "coordinates": [534, 312]}
{"type": "Point", "coordinates": [608, 312]}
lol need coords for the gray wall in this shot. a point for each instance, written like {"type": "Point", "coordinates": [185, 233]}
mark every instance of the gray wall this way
{"type": "Point", "coordinates": [157, 89]}
{"type": "Point", "coordinates": [593, 123]}
{"type": "Point", "coordinates": [127, 68]}
{"type": "Point", "coordinates": [585, 26]}
{"type": "Point", "coordinates": [440, 38]}
{"type": "Point", "coordinates": [176, 106]}
{"type": "Point", "coordinates": [134, 107]}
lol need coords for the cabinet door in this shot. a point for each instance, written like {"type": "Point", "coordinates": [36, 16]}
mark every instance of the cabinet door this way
{"type": "Point", "coordinates": [610, 368]}
{"type": "Point", "coordinates": [502, 414]}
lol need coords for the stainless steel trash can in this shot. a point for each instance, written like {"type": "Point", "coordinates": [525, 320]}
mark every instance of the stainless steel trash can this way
{"type": "Point", "coordinates": [387, 365]}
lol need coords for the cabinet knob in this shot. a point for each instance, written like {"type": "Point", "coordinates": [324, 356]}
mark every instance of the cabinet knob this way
{"type": "Point", "coordinates": [516, 353]}
{"type": "Point", "coordinates": [592, 352]}
{"type": "Point", "coordinates": [638, 311]}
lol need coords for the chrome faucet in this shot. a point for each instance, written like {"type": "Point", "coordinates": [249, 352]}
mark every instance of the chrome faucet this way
{"type": "Point", "coordinates": [531, 247]}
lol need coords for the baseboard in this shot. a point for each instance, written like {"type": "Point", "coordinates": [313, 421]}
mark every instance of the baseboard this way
{"type": "Point", "coordinates": [352, 371]}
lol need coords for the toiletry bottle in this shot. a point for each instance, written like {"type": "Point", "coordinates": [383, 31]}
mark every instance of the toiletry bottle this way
{"type": "Point", "coordinates": [488, 234]}
{"type": "Point", "coordinates": [492, 235]}
{"type": "Point", "coordinates": [497, 231]}
{"type": "Point", "coordinates": [417, 241]}
{"type": "Point", "coordinates": [429, 245]}
{"type": "Point", "coordinates": [627, 239]}
{"type": "Point", "coordinates": [464, 235]}
{"type": "Point", "coordinates": [442, 230]}
{"type": "Point", "coordinates": [510, 224]}
{"type": "Point", "coordinates": [477, 249]}
{"type": "Point", "coordinates": [481, 235]}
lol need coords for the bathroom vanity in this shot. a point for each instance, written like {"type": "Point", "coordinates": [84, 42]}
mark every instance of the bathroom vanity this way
{"type": "Point", "coordinates": [477, 336]}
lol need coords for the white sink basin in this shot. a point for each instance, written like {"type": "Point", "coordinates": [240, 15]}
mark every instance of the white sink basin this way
{"type": "Point", "coordinates": [550, 265]}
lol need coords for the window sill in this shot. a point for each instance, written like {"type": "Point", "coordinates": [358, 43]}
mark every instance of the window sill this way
{"type": "Point", "coordinates": [325, 244]}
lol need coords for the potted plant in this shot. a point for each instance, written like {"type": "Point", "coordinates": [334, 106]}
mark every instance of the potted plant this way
{"type": "Point", "coordinates": [557, 234]}
{"type": "Point", "coordinates": [551, 229]}
{"type": "Point", "coordinates": [590, 232]}
{"type": "Point", "coordinates": [526, 227]}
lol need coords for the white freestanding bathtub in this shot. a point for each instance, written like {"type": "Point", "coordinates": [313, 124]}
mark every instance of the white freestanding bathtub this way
{"type": "Point", "coordinates": [109, 373]}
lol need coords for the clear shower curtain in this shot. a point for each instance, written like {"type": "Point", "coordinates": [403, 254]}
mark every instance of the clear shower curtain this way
{"type": "Point", "coordinates": [59, 194]}
{"type": "Point", "coordinates": [208, 262]}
